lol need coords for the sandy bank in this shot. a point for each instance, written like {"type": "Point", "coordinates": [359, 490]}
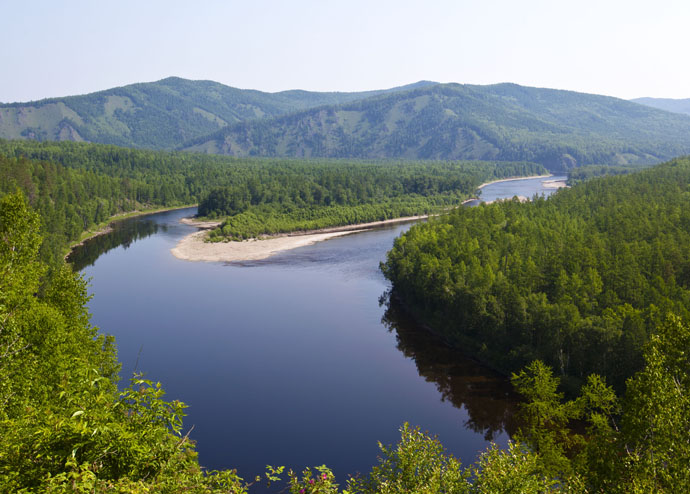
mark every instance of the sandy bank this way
{"type": "Point", "coordinates": [193, 248]}
{"type": "Point", "coordinates": [554, 184]}
{"type": "Point", "coordinates": [511, 179]}
{"type": "Point", "coordinates": [204, 225]}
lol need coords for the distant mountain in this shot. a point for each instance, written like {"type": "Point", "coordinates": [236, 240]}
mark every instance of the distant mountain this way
{"type": "Point", "coordinates": [559, 129]}
{"type": "Point", "coordinates": [425, 120]}
{"type": "Point", "coordinates": [668, 104]}
{"type": "Point", "coordinates": [158, 115]}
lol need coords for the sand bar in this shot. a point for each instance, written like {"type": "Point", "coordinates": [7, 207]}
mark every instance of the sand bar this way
{"type": "Point", "coordinates": [204, 225]}
{"type": "Point", "coordinates": [513, 178]}
{"type": "Point", "coordinates": [554, 184]}
{"type": "Point", "coordinates": [193, 248]}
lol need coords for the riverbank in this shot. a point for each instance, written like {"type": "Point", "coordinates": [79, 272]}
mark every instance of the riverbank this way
{"type": "Point", "coordinates": [106, 226]}
{"type": "Point", "coordinates": [513, 178]}
{"type": "Point", "coordinates": [194, 248]}
{"type": "Point", "coordinates": [554, 184]}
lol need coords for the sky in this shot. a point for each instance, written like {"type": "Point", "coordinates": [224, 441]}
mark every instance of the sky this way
{"type": "Point", "coordinates": [618, 48]}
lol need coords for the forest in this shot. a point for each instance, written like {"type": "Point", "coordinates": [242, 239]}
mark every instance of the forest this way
{"type": "Point", "coordinates": [583, 173]}
{"type": "Point", "coordinates": [311, 195]}
{"type": "Point", "coordinates": [579, 280]}
{"type": "Point", "coordinates": [75, 186]}
{"type": "Point", "coordinates": [67, 427]}
{"type": "Point", "coordinates": [583, 296]}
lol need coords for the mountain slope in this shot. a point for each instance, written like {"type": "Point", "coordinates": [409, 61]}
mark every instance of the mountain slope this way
{"type": "Point", "coordinates": [158, 115]}
{"type": "Point", "coordinates": [559, 129]}
{"type": "Point", "coordinates": [668, 104]}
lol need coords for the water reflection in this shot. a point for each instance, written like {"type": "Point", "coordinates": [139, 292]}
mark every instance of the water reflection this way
{"type": "Point", "coordinates": [122, 233]}
{"type": "Point", "coordinates": [488, 397]}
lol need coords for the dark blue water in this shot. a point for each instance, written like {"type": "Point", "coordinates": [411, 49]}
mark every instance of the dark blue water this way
{"type": "Point", "coordinates": [293, 360]}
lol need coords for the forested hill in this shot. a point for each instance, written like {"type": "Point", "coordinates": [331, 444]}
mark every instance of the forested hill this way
{"type": "Point", "coordinates": [668, 104]}
{"type": "Point", "coordinates": [578, 280]}
{"type": "Point", "coordinates": [559, 129]}
{"type": "Point", "coordinates": [158, 115]}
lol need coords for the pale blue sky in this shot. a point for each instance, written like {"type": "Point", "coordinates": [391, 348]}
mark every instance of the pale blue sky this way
{"type": "Point", "coordinates": [619, 48]}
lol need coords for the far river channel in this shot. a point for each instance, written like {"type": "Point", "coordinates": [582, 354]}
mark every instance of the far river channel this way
{"type": "Point", "coordinates": [297, 360]}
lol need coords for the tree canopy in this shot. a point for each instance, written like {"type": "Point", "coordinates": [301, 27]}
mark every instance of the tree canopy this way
{"type": "Point", "coordinates": [577, 280]}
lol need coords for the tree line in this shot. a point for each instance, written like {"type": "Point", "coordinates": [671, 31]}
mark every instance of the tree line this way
{"type": "Point", "coordinates": [75, 186]}
{"type": "Point", "coordinates": [311, 195]}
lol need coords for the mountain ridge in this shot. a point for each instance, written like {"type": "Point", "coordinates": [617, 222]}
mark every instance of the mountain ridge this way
{"type": "Point", "coordinates": [506, 121]}
{"type": "Point", "coordinates": [156, 115]}
{"type": "Point", "coordinates": [668, 104]}
{"type": "Point", "coordinates": [424, 120]}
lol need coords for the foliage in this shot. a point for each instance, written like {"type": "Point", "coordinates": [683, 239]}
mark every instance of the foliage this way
{"type": "Point", "coordinates": [309, 196]}
{"type": "Point", "coordinates": [640, 443]}
{"type": "Point", "coordinates": [656, 429]}
{"type": "Point", "coordinates": [417, 464]}
{"type": "Point", "coordinates": [515, 470]}
{"type": "Point", "coordinates": [582, 173]}
{"type": "Point", "coordinates": [578, 281]}
{"type": "Point", "coordinates": [64, 424]}
{"type": "Point", "coordinates": [547, 418]}
{"type": "Point", "coordinates": [609, 260]}
{"type": "Point", "coordinates": [323, 482]}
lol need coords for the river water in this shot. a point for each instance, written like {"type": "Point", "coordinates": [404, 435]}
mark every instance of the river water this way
{"type": "Point", "coordinates": [296, 360]}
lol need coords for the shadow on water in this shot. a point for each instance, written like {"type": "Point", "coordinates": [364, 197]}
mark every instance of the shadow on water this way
{"type": "Point", "coordinates": [488, 397]}
{"type": "Point", "coordinates": [123, 233]}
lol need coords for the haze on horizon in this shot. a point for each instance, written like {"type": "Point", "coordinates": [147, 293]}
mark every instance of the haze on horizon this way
{"type": "Point", "coordinates": [619, 48]}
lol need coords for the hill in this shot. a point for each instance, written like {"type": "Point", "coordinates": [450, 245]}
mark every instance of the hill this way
{"type": "Point", "coordinates": [559, 129]}
{"type": "Point", "coordinates": [577, 281]}
{"type": "Point", "coordinates": [668, 104]}
{"type": "Point", "coordinates": [157, 115]}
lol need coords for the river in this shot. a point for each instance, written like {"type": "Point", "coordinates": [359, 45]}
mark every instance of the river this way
{"type": "Point", "coordinates": [297, 360]}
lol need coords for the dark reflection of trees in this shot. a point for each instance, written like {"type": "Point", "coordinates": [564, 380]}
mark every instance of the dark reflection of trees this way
{"type": "Point", "coordinates": [487, 396]}
{"type": "Point", "coordinates": [123, 233]}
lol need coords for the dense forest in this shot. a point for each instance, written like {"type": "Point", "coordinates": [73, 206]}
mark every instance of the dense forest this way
{"type": "Point", "coordinates": [312, 195]}
{"type": "Point", "coordinates": [578, 281]}
{"type": "Point", "coordinates": [67, 428]}
{"type": "Point", "coordinates": [75, 186]}
{"type": "Point", "coordinates": [588, 287]}
{"type": "Point", "coordinates": [582, 173]}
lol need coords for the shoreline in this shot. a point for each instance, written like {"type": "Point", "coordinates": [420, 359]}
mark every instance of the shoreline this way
{"type": "Point", "coordinates": [193, 248]}
{"type": "Point", "coordinates": [513, 178]}
{"type": "Point", "coordinates": [555, 184]}
{"type": "Point", "coordinates": [106, 227]}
